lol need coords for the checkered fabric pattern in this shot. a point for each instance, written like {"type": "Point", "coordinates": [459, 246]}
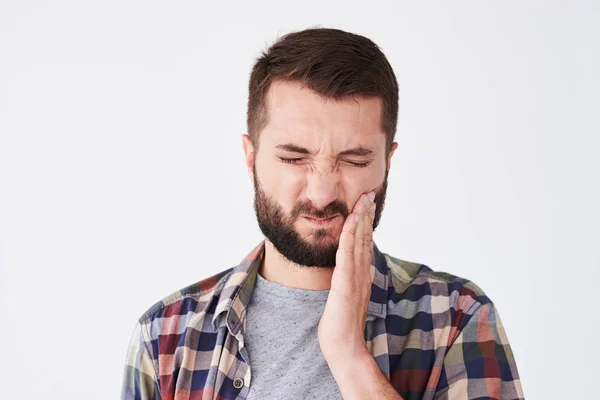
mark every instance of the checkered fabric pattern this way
{"type": "Point", "coordinates": [433, 335]}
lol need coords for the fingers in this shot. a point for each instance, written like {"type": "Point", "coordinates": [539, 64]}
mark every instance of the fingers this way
{"type": "Point", "coordinates": [345, 254]}
{"type": "Point", "coordinates": [363, 245]}
{"type": "Point", "coordinates": [356, 241]}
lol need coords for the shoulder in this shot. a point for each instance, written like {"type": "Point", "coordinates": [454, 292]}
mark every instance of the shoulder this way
{"type": "Point", "coordinates": [418, 287]}
{"type": "Point", "coordinates": [197, 298]}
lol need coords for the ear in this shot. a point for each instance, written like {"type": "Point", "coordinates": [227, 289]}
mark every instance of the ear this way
{"type": "Point", "coordinates": [249, 154]}
{"type": "Point", "coordinates": [392, 150]}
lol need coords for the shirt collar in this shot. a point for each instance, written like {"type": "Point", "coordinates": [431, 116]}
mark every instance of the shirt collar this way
{"type": "Point", "coordinates": [237, 290]}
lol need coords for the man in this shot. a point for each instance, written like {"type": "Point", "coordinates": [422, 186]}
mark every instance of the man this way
{"type": "Point", "coordinates": [317, 310]}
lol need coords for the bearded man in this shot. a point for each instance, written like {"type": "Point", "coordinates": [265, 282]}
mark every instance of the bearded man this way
{"type": "Point", "coordinates": [317, 310]}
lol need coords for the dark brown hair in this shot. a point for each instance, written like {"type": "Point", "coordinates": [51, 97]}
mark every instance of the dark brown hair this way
{"type": "Point", "coordinates": [333, 63]}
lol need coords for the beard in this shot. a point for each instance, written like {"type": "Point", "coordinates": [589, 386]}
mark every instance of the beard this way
{"type": "Point", "coordinates": [278, 227]}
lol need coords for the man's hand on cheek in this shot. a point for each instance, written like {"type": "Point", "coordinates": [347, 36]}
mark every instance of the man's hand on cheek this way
{"type": "Point", "coordinates": [341, 328]}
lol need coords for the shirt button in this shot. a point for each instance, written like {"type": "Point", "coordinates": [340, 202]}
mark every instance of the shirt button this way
{"type": "Point", "coordinates": [238, 383]}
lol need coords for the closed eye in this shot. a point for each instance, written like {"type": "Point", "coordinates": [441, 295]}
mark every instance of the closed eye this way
{"type": "Point", "coordinates": [297, 160]}
{"type": "Point", "coordinates": [359, 165]}
{"type": "Point", "coordinates": [290, 160]}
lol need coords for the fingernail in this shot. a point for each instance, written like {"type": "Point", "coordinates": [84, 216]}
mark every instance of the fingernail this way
{"type": "Point", "coordinates": [372, 196]}
{"type": "Point", "coordinates": [366, 200]}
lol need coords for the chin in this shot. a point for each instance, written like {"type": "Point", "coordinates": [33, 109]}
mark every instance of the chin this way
{"type": "Point", "coordinates": [318, 235]}
{"type": "Point", "coordinates": [323, 239]}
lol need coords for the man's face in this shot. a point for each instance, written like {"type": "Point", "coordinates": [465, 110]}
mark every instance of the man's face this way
{"type": "Point", "coordinates": [316, 157]}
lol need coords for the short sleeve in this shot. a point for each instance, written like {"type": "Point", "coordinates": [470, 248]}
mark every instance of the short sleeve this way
{"type": "Point", "coordinates": [480, 363]}
{"type": "Point", "coordinates": [139, 375]}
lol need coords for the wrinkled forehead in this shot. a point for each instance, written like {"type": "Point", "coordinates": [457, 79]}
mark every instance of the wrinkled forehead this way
{"type": "Point", "coordinates": [300, 115]}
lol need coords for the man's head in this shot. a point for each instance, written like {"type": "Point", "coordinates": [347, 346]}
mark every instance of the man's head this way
{"type": "Point", "coordinates": [322, 113]}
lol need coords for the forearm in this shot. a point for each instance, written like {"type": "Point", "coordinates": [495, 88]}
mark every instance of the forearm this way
{"type": "Point", "coordinates": [361, 378]}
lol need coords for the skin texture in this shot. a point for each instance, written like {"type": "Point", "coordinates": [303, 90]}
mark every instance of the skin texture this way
{"type": "Point", "coordinates": [320, 248]}
{"type": "Point", "coordinates": [324, 183]}
{"type": "Point", "coordinates": [325, 127]}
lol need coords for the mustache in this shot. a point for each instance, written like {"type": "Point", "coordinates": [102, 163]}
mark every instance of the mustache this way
{"type": "Point", "coordinates": [305, 208]}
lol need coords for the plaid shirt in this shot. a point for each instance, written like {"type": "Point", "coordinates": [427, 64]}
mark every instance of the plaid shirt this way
{"type": "Point", "coordinates": [433, 335]}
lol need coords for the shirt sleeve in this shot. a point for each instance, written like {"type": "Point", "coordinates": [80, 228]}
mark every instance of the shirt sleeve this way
{"type": "Point", "coordinates": [480, 363]}
{"type": "Point", "coordinates": [139, 375]}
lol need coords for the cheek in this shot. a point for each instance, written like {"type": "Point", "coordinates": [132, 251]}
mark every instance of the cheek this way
{"type": "Point", "coordinates": [355, 184]}
{"type": "Point", "coordinates": [288, 180]}
{"type": "Point", "coordinates": [284, 184]}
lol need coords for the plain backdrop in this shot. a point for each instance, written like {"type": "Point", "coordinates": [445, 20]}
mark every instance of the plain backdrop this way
{"type": "Point", "coordinates": [122, 176]}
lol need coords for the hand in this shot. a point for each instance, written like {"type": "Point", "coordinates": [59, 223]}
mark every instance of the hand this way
{"type": "Point", "coordinates": [342, 325]}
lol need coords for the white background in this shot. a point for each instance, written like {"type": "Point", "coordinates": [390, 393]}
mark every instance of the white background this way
{"type": "Point", "coordinates": [122, 176]}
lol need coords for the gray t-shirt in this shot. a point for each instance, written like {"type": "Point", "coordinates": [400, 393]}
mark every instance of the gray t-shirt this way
{"type": "Point", "coordinates": [281, 337]}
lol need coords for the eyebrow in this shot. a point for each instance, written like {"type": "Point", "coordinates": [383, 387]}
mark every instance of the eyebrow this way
{"type": "Point", "coordinates": [357, 151]}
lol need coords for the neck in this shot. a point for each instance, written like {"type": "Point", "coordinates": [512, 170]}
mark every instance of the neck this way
{"type": "Point", "coordinates": [276, 268]}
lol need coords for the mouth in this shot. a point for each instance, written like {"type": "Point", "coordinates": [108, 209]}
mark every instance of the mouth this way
{"type": "Point", "coordinates": [320, 221]}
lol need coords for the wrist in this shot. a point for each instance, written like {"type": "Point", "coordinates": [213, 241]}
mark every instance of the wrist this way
{"type": "Point", "coordinates": [349, 365]}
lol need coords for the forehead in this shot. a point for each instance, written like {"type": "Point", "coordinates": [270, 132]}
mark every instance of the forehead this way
{"type": "Point", "coordinates": [300, 115]}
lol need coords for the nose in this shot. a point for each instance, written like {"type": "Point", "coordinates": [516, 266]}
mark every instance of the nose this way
{"type": "Point", "coordinates": [322, 188]}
